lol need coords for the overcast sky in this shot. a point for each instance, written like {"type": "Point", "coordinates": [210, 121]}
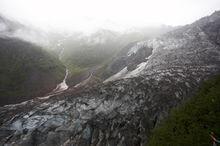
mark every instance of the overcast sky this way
{"type": "Point", "coordinates": [112, 14]}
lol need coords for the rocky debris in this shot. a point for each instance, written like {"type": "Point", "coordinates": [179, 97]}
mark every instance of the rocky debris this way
{"type": "Point", "coordinates": [117, 113]}
{"type": "Point", "coordinates": [191, 45]}
{"type": "Point", "coordinates": [124, 111]}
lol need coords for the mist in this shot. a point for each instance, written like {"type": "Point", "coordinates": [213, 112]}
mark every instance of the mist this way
{"type": "Point", "coordinates": [118, 15]}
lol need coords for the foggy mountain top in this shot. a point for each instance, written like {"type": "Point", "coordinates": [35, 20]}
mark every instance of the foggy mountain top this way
{"type": "Point", "coordinates": [10, 27]}
{"type": "Point", "coordinates": [118, 15]}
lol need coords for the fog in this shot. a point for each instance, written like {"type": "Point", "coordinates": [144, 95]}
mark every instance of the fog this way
{"type": "Point", "coordinates": [87, 15]}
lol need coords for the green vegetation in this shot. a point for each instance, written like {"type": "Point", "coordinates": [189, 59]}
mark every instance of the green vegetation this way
{"type": "Point", "coordinates": [80, 55]}
{"type": "Point", "coordinates": [74, 70]}
{"type": "Point", "coordinates": [26, 70]}
{"type": "Point", "coordinates": [191, 123]}
{"type": "Point", "coordinates": [81, 60]}
{"type": "Point", "coordinates": [87, 55]}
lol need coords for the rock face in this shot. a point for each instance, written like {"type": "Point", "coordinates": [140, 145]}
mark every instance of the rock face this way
{"type": "Point", "coordinates": [123, 110]}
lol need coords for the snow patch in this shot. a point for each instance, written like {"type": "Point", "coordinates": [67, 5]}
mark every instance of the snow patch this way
{"type": "Point", "coordinates": [135, 48]}
{"type": "Point", "coordinates": [137, 71]}
{"type": "Point", "coordinates": [118, 75]}
{"type": "Point", "coordinates": [124, 73]}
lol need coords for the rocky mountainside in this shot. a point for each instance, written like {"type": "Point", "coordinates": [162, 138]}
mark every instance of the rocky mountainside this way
{"type": "Point", "coordinates": [129, 57]}
{"type": "Point", "coordinates": [26, 71]}
{"type": "Point", "coordinates": [182, 47]}
{"type": "Point", "coordinates": [83, 52]}
{"type": "Point", "coordinates": [123, 110]}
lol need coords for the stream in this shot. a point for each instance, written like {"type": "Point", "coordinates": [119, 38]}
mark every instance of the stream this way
{"type": "Point", "coordinates": [61, 86]}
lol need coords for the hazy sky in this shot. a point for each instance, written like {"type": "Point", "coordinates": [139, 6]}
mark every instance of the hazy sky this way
{"type": "Point", "coordinates": [111, 14]}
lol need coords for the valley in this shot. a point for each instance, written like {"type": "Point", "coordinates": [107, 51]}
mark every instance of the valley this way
{"type": "Point", "coordinates": [114, 89]}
